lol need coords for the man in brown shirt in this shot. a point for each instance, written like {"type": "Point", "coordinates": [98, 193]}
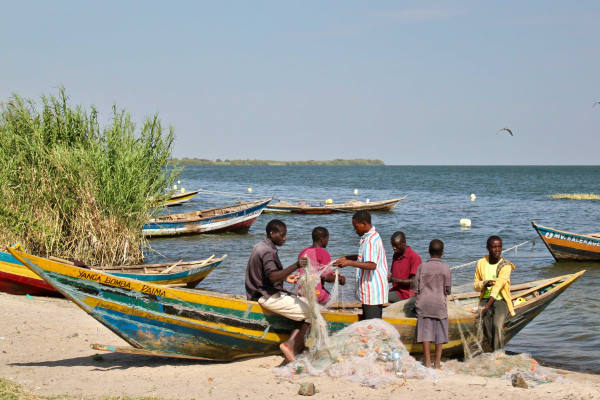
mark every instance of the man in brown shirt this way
{"type": "Point", "coordinates": [264, 283]}
{"type": "Point", "coordinates": [432, 284]}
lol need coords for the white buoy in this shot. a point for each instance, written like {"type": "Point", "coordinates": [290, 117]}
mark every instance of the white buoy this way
{"type": "Point", "coordinates": [179, 182]}
{"type": "Point", "coordinates": [329, 201]}
{"type": "Point", "coordinates": [368, 200]}
{"type": "Point", "coordinates": [182, 190]}
{"type": "Point", "coordinates": [466, 222]}
{"type": "Point", "coordinates": [249, 190]}
{"type": "Point", "coordinates": [473, 197]}
{"type": "Point", "coordinates": [174, 187]}
{"type": "Point", "coordinates": [355, 192]}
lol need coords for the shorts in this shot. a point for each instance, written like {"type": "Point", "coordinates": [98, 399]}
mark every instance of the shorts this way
{"type": "Point", "coordinates": [291, 307]}
{"type": "Point", "coordinates": [432, 330]}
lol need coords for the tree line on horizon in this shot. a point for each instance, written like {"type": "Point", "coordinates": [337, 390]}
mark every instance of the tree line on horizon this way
{"type": "Point", "coordinates": [218, 161]}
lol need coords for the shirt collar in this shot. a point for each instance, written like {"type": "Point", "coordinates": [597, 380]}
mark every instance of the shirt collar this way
{"type": "Point", "coordinates": [270, 243]}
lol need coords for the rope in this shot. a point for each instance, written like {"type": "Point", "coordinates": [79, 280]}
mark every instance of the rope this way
{"type": "Point", "coordinates": [503, 251]}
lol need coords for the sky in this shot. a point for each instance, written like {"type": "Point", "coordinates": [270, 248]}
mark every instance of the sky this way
{"type": "Point", "coordinates": [409, 83]}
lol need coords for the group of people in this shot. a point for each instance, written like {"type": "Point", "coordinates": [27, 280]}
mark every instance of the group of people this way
{"type": "Point", "coordinates": [430, 282]}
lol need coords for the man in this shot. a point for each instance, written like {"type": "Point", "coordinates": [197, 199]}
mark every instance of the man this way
{"type": "Point", "coordinates": [492, 278]}
{"type": "Point", "coordinates": [371, 264]}
{"type": "Point", "coordinates": [432, 284]}
{"type": "Point", "coordinates": [319, 260]}
{"type": "Point", "coordinates": [264, 283]}
{"type": "Point", "coordinates": [405, 262]}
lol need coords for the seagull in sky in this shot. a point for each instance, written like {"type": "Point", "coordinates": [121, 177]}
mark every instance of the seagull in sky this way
{"type": "Point", "coordinates": [507, 130]}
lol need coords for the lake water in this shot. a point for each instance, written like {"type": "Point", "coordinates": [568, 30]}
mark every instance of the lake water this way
{"type": "Point", "coordinates": [566, 334]}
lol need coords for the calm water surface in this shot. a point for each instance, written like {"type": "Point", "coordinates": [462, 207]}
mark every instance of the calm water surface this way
{"type": "Point", "coordinates": [566, 334]}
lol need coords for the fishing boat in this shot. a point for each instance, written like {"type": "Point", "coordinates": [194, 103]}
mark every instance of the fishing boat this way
{"type": "Point", "coordinates": [15, 278]}
{"type": "Point", "coordinates": [568, 246]}
{"type": "Point", "coordinates": [178, 322]}
{"type": "Point", "coordinates": [350, 206]}
{"type": "Point", "coordinates": [179, 198]}
{"type": "Point", "coordinates": [235, 218]}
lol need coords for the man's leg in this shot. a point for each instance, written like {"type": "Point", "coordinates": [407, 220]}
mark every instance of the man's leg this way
{"type": "Point", "coordinates": [500, 311]}
{"type": "Point", "coordinates": [487, 324]}
{"type": "Point", "coordinates": [438, 355]}
{"type": "Point", "coordinates": [295, 343]}
{"type": "Point", "coordinates": [371, 311]}
{"type": "Point", "coordinates": [427, 353]}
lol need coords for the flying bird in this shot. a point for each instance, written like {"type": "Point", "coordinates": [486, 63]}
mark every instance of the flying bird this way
{"type": "Point", "coordinates": [505, 129]}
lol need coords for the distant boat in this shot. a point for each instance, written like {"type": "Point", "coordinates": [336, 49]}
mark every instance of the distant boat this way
{"type": "Point", "coordinates": [567, 246]}
{"type": "Point", "coordinates": [179, 198]}
{"type": "Point", "coordinates": [350, 206]}
{"type": "Point", "coordinates": [15, 278]}
{"type": "Point", "coordinates": [173, 322]}
{"type": "Point", "coordinates": [236, 218]}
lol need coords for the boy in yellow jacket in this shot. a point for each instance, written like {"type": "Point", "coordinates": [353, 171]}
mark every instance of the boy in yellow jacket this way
{"type": "Point", "coordinates": [492, 279]}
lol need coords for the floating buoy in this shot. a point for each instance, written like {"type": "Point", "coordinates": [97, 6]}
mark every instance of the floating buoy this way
{"type": "Point", "coordinates": [355, 192]}
{"type": "Point", "coordinates": [329, 201]}
{"type": "Point", "coordinates": [182, 190]}
{"type": "Point", "coordinates": [465, 222]}
{"type": "Point", "coordinates": [367, 201]}
{"type": "Point", "coordinates": [473, 197]}
{"type": "Point", "coordinates": [174, 187]}
{"type": "Point", "coordinates": [249, 190]}
{"type": "Point", "coordinates": [179, 182]}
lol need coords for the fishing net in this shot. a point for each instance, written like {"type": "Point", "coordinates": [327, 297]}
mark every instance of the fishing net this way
{"type": "Point", "coordinates": [501, 365]}
{"type": "Point", "coordinates": [369, 352]}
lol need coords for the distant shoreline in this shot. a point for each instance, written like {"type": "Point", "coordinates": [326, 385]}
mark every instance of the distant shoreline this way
{"type": "Point", "coordinates": [218, 161]}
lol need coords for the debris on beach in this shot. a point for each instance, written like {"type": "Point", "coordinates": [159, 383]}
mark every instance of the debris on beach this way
{"type": "Point", "coordinates": [307, 389]}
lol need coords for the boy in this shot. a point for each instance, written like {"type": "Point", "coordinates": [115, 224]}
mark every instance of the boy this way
{"type": "Point", "coordinates": [405, 262]}
{"type": "Point", "coordinates": [432, 284]}
{"type": "Point", "coordinates": [371, 264]}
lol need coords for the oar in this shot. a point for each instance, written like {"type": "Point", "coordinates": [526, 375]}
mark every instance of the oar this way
{"type": "Point", "coordinates": [168, 269]}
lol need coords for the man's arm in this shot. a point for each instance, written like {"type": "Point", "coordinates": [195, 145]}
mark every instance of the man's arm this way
{"type": "Point", "coordinates": [478, 282]}
{"type": "Point", "coordinates": [345, 262]}
{"type": "Point", "coordinates": [502, 279]}
{"type": "Point", "coordinates": [279, 275]}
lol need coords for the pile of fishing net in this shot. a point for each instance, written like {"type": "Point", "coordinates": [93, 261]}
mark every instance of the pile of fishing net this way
{"type": "Point", "coordinates": [501, 365]}
{"type": "Point", "coordinates": [369, 352]}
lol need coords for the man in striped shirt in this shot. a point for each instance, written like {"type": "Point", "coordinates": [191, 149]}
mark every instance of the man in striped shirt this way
{"type": "Point", "coordinates": [371, 264]}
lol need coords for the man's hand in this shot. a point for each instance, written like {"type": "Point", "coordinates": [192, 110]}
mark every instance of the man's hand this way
{"type": "Point", "coordinates": [293, 278]}
{"type": "Point", "coordinates": [302, 262]}
{"type": "Point", "coordinates": [489, 283]}
{"type": "Point", "coordinates": [342, 262]}
{"type": "Point", "coordinates": [342, 279]}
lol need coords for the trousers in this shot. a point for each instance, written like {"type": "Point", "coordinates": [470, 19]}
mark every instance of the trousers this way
{"type": "Point", "coordinates": [493, 323]}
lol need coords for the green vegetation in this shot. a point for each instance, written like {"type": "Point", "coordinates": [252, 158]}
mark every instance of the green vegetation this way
{"type": "Point", "coordinates": [576, 196]}
{"type": "Point", "coordinates": [11, 391]}
{"type": "Point", "coordinates": [337, 161]}
{"type": "Point", "coordinates": [72, 189]}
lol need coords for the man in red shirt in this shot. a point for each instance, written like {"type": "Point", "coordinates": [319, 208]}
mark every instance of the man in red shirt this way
{"type": "Point", "coordinates": [405, 263]}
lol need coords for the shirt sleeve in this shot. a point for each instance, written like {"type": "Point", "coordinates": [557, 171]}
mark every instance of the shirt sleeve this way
{"type": "Point", "coordinates": [478, 278]}
{"type": "Point", "coordinates": [269, 264]}
{"type": "Point", "coordinates": [502, 279]}
{"type": "Point", "coordinates": [448, 282]}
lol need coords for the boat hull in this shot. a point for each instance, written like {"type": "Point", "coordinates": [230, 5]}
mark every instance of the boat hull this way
{"type": "Point", "coordinates": [208, 325]}
{"type": "Point", "coordinates": [181, 198]}
{"type": "Point", "coordinates": [385, 205]}
{"type": "Point", "coordinates": [16, 278]}
{"type": "Point", "coordinates": [568, 246]}
{"type": "Point", "coordinates": [238, 220]}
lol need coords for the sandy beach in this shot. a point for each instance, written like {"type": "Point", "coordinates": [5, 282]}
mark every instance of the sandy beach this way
{"type": "Point", "coordinates": [45, 346]}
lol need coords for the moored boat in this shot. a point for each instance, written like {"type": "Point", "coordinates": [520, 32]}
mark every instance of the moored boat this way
{"type": "Point", "coordinates": [16, 278]}
{"type": "Point", "coordinates": [235, 218]}
{"type": "Point", "coordinates": [568, 246]}
{"type": "Point", "coordinates": [179, 198]}
{"type": "Point", "coordinates": [158, 320]}
{"type": "Point", "coordinates": [350, 206]}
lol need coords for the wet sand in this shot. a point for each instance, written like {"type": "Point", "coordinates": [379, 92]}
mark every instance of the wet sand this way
{"type": "Point", "coordinates": [45, 346]}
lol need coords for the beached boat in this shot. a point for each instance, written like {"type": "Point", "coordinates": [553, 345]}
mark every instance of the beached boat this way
{"type": "Point", "coordinates": [174, 322]}
{"type": "Point", "coordinates": [236, 218]}
{"type": "Point", "coordinates": [179, 198]}
{"type": "Point", "coordinates": [568, 246]}
{"type": "Point", "coordinates": [350, 206]}
{"type": "Point", "coordinates": [15, 278]}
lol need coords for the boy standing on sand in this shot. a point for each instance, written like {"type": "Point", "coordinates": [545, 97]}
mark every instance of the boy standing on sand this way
{"type": "Point", "coordinates": [264, 283]}
{"type": "Point", "coordinates": [432, 284]}
{"type": "Point", "coordinates": [371, 264]}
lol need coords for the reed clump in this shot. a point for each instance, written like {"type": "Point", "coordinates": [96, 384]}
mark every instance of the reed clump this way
{"type": "Point", "coordinates": [576, 196]}
{"type": "Point", "coordinates": [71, 188]}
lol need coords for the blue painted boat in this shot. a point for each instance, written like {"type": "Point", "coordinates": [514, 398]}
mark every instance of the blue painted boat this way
{"type": "Point", "coordinates": [235, 218]}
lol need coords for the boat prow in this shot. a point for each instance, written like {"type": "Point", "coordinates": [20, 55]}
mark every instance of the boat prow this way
{"type": "Point", "coordinates": [569, 246]}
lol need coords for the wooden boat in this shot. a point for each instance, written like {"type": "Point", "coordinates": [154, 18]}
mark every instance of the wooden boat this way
{"type": "Point", "coordinates": [179, 198]}
{"type": "Point", "coordinates": [176, 322]}
{"type": "Point", "coordinates": [350, 206]}
{"type": "Point", "coordinates": [568, 246]}
{"type": "Point", "coordinates": [15, 278]}
{"type": "Point", "coordinates": [236, 218]}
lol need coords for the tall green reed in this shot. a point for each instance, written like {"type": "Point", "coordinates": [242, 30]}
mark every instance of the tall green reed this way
{"type": "Point", "coordinates": [73, 189]}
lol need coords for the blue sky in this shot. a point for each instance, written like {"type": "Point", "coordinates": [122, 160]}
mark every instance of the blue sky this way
{"type": "Point", "coordinates": [406, 82]}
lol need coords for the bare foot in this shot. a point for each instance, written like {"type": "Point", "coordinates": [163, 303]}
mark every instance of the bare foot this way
{"type": "Point", "coordinates": [287, 352]}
